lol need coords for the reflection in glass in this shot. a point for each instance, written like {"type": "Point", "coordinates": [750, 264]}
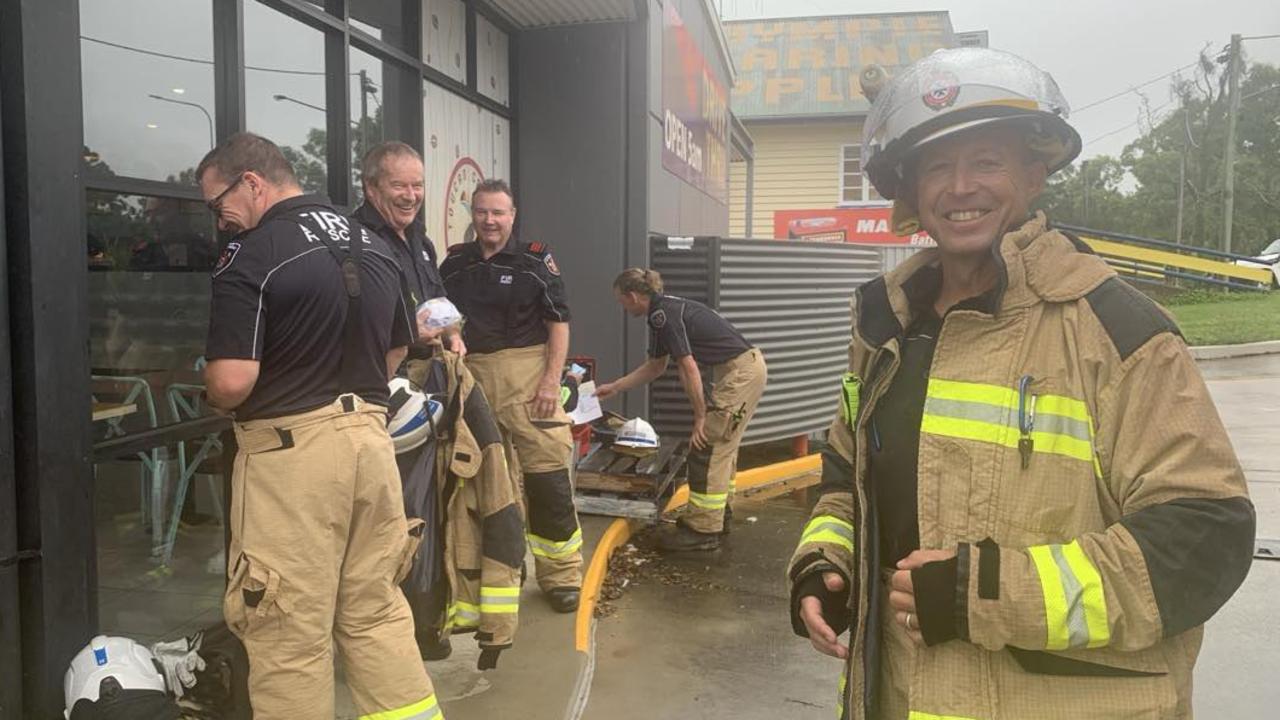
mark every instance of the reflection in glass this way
{"type": "Point", "coordinates": [379, 93]}
{"type": "Point", "coordinates": [149, 260]}
{"type": "Point", "coordinates": [385, 20]}
{"type": "Point", "coordinates": [147, 87]}
{"type": "Point", "coordinates": [284, 90]}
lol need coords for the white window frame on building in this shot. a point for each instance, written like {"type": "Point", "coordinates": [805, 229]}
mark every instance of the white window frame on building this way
{"type": "Point", "coordinates": [867, 194]}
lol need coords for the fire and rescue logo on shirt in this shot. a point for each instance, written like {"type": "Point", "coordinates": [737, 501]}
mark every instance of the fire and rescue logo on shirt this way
{"type": "Point", "coordinates": [551, 265]}
{"type": "Point", "coordinates": [658, 318]}
{"type": "Point", "coordinates": [462, 183]}
{"type": "Point", "coordinates": [941, 90]}
{"type": "Point", "coordinates": [226, 258]}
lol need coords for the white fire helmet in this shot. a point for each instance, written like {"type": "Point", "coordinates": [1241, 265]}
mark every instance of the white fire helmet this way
{"type": "Point", "coordinates": [956, 89]}
{"type": "Point", "coordinates": [636, 437]}
{"type": "Point", "coordinates": [413, 415]}
{"type": "Point", "coordinates": [108, 667]}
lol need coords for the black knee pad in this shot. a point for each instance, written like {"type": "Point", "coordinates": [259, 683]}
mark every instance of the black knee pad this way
{"type": "Point", "coordinates": [551, 514]}
{"type": "Point", "coordinates": [698, 464]}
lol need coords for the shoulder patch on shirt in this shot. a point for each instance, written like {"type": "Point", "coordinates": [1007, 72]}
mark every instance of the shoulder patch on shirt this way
{"type": "Point", "coordinates": [227, 257]}
{"type": "Point", "coordinates": [537, 248]}
{"type": "Point", "coordinates": [550, 262]}
{"type": "Point", "coordinates": [1129, 317]}
{"type": "Point", "coordinates": [658, 318]}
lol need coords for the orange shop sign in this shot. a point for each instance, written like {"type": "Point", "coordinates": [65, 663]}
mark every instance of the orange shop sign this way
{"type": "Point", "coordinates": [870, 225]}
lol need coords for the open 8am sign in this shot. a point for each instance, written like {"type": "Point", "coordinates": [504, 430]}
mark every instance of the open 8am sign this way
{"type": "Point", "coordinates": [695, 111]}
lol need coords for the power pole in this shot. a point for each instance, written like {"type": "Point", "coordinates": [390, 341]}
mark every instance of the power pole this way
{"type": "Point", "coordinates": [1084, 175]}
{"type": "Point", "coordinates": [1182, 171]}
{"type": "Point", "coordinates": [1233, 109]}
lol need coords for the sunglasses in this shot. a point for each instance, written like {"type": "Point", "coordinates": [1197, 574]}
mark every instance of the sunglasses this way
{"type": "Point", "coordinates": [215, 205]}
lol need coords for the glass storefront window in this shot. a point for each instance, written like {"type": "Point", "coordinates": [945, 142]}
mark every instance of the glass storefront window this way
{"type": "Point", "coordinates": [385, 20]}
{"type": "Point", "coordinates": [149, 264]}
{"type": "Point", "coordinates": [147, 87]}
{"type": "Point", "coordinates": [284, 90]}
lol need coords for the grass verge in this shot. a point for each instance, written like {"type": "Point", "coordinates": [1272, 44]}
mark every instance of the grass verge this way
{"type": "Point", "coordinates": [1237, 318]}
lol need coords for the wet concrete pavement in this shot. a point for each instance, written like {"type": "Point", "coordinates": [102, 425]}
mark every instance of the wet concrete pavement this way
{"type": "Point", "coordinates": [706, 635]}
{"type": "Point", "coordinates": [1236, 674]}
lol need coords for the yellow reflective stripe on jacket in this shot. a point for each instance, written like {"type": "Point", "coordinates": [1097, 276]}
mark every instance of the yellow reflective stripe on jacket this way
{"type": "Point", "coordinates": [543, 547]}
{"type": "Point", "coordinates": [828, 529]}
{"type": "Point", "coordinates": [499, 599]}
{"type": "Point", "coordinates": [464, 614]}
{"type": "Point", "coordinates": [989, 413]}
{"type": "Point", "coordinates": [1075, 606]}
{"type": "Point", "coordinates": [917, 715]}
{"type": "Point", "coordinates": [850, 388]}
{"type": "Point", "coordinates": [709, 501]}
{"type": "Point", "coordinates": [428, 709]}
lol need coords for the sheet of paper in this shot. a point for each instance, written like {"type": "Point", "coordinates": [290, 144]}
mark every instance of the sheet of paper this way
{"type": "Point", "coordinates": [588, 406]}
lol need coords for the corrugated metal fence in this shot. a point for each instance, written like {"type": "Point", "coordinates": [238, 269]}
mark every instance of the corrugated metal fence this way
{"type": "Point", "coordinates": [790, 299]}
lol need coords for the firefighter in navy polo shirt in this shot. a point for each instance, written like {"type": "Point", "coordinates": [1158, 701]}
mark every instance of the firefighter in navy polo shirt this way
{"type": "Point", "coordinates": [517, 334]}
{"type": "Point", "coordinates": [695, 336]}
{"type": "Point", "coordinates": [319, 539]}
{"type": "Point", "coordinates": [392, 176]}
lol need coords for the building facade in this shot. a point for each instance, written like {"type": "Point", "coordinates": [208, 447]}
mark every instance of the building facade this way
{"type": "Point", "coordinates": [799, 97]}
{"type": "Point", "coordinates": [108, 105]}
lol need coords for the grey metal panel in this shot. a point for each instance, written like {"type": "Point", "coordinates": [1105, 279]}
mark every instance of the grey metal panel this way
{"type": "Point", "coordinates": [790, 299]}
{"type": "Point", "coordinates": [894, 255]}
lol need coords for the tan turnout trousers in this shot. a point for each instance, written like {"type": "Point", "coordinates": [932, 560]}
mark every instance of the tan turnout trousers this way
{"type": "Point", "coordinates": [736, 387]}
{"type": "Point", "coordinates": [319, 543]}
{"type": "Point", "coordinates": [541, 449]}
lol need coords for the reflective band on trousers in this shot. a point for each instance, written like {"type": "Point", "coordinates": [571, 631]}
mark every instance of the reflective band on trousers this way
{"type": "Point", "coordinates": [1075, 606]}
{"type": "Point", "coordinates": [463, 614]}
{"type": "Point", "coordinates": [499, 599]}
{"type": "Point", "coordinates": [427, 709]}
{"type": "Point", "coordinates": [709, 501]}
{"type": "Point", "coordinates": [828, 529]}
{"type": "Point", "coordinates": [917, 715]}
{"type": "Point", "coordinates": [989, 413]}
{"type": "Point", "coordinates": [543, 547]}
{"type": "Point", "coordinates": [850, 387]}
{"type": "Point", "coordinates": [844, 683]}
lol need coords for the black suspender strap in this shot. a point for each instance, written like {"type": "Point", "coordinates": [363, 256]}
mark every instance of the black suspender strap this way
{"type": "Point", "coordinates": [349, 262]}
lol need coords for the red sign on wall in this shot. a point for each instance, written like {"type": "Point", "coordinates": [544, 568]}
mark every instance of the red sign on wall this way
{"type": "Point", "coordinates": [871, 225]}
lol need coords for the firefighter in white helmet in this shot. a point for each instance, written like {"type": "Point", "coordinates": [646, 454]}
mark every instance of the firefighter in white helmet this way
{"type": "Point", "coordinates": [1029, 506]}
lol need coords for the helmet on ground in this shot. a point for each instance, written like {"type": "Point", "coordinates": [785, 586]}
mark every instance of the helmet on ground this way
{"type": "Point", "coordinates": [116, 677]}
{"type": "Point", "coordinates": [636, 437]}
{"type": "Point", "coordinates": [412, 415]}
{"type": "Point", "coordinates": [959, 89]}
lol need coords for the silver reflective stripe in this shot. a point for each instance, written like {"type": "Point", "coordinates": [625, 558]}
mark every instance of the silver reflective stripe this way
{"type": "Point", "coordinates": [1073, 593]}
{"type": "Point", "coordinates": [1062, 425]}
{"type": "Point", "coordinates": [982, 412]}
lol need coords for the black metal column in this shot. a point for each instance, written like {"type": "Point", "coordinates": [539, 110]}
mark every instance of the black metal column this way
{"type": "Point", "coordinates": [48, 331]}
{"type": "Point", "coordinates": [10, 615]}
{"type": "Point", "coordinates": [636, 159]}
{"type": "Point", "coordinates": [228, 66]}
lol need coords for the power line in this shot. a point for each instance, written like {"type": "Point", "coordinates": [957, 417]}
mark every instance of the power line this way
{"type": "Point", "coordinates": [1133, 88]}
{"type": "Point", "coordinates": [1126, 127]}
{"type": "Point", "coordinates": [198, 61]}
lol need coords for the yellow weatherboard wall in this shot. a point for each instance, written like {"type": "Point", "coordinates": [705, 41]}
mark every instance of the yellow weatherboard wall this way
{"type": "Point", "coordinates": [797, 166]}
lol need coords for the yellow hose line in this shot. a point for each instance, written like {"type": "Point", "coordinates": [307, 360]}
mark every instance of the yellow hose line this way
{"type": "Point", "coordinates": [620, 530]}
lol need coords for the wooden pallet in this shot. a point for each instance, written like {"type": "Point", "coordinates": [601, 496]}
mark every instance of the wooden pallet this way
{"type": "Point", "coordinates": [613, 483]}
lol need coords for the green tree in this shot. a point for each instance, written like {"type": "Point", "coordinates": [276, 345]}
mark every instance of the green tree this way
{"type": "Point", "coordinates": [1188, 142]}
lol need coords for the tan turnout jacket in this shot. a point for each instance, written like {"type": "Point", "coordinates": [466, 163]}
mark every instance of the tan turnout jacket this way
{"type": "Point", "coordinates": [1071, 455]}
{"type": "Point", "coordinates": [484, 543]}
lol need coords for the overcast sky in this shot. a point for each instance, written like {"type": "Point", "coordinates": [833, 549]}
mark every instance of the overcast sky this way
{"type": "Point", "coordinates": [1093, 48]}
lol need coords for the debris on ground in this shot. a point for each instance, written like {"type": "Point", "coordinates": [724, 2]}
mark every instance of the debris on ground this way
{"type": "Point", "coordinates": [636, 563]}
